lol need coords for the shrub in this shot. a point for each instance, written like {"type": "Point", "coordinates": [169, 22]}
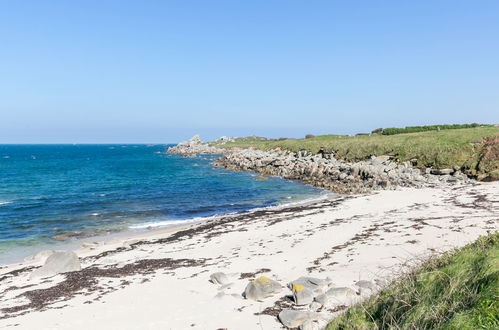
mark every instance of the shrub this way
{"type": "Point", "coordinates": [415, 129]}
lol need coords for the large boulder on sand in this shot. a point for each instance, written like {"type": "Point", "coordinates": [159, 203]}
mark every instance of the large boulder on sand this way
{"type": "Point", "coordinates": [219, 278]}
{"type": "Point", "coordinates": [56, 263]}
{"type": "Point", "coordinates": [309, 325]}
{"type": "Point", "coordinates": [261, 288]}
{"type": "Point", "coordinates": [316, 285]}
{"type": "Point", "coordinates": [341, 292]}
{"type": "Point", "coordinates": [302, 295]}
{"type": "Point", "coordinates": [294, 318]}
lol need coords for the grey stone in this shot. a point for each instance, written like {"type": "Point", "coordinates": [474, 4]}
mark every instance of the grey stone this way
{"type": "Point", "coordinates": [443, 171]}
{"type": "Point", "coordinates": [316, 285]}
{"type": "Point", "coordinates": [340, 291]}
{"type": "Point", "coordinates": [295, 318]}
{"type": "Point", "coordinates": [314, 306]}
{"type": "Point", "coordinates": [219, 278]}
{"type": "Point", "coordinates": [309, 325]}
{"type": "Point", "coordinates": [261, 288]}
{"type": "Point", "coordinates": [303, 296]}
{"type": "Point", "coordinates": [366, 285]}
{"type": "Point", "coordinates": [56, 263]}
{"type": "Point", "coordinates": [196, 139]}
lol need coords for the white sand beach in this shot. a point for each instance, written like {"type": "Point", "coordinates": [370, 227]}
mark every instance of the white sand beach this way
{"type": "Point", "coordinates": [160, 280]}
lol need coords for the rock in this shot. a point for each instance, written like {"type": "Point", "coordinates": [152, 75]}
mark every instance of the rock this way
{"type": "Point", "coordinates": [261, 288]}
{"type": "Point", "coordinates": [295, 318]}
{"type": "Point", "coordinates": [56, 263]}
{"type": "Point", "coordinates": [323, 300]}
{"type": "Point", "coordinates": [316, 285]}
{"type": "Point", "coordinates": [196, 139]}
{"type": "Point", "coordinates": [225, 139]}
{"type": "Point", "coordinates": [327, 172]}
{"type": "Point", "coordinates": [192, 147]}
{"type": "Point", "coordinates": [261, 178]}
{"type": "Point", "coordinates": [315, 306]}
{"type": "Point", "coordinates": [443, 171]}
{"type": "Point", "coordinates": [302, 295]}
{"type": "Point", "coordinates": [219, 278]}
{"type": "Point", "coordinates": [62, 237]}
{"type": "Point", "coordinates": [340, 291]}
{"type": "Point", "coordinates": [309, 325]}
{"type": "Point", "coordinates": [366, 285]}
{"type": "Point", "coordinates": [380, 160]}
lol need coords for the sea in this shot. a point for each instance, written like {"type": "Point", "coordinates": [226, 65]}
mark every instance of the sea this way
{"type": "Point", "coordinates": [55, 196]}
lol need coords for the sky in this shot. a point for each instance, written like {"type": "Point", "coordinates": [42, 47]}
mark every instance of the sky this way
{"type": "Point", "coordinates": [162, 71]}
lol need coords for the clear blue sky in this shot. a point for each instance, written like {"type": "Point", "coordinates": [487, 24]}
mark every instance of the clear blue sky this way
{"type": "Point", "coordinates": [160, 71]}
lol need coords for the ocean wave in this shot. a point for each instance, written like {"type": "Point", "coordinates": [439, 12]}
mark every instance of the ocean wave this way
{"type": "Point", "coordinates": [180, 222]}
{"type": "Point", "coordinates": [166, 223]}
{"type": "Point", "coordinates": [5, 202]}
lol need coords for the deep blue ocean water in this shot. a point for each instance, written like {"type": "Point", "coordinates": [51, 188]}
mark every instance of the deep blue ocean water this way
{"type": "Point", "coordinates": [50, 190]}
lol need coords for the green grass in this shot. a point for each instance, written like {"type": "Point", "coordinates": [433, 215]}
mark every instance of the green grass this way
{"type": "Point", "coordinates": [459, 290]}
{"type": "Point", "coordinates": [437, 149]}
{"type": "Point", "coordinates": [415, 129]}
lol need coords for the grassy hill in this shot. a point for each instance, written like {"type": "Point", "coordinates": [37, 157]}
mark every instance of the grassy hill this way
{"type": "Point", "coordinates": [458, 290]}
{"type": "Point", "coordinates": [474, 150]}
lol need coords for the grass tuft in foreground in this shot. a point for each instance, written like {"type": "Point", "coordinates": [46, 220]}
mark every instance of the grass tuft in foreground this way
{"type": "Point", "coordinates": [458, 290]}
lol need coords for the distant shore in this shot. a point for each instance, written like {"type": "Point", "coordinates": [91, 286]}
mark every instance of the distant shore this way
{"type": "Point", "coordinates": [324, 170]}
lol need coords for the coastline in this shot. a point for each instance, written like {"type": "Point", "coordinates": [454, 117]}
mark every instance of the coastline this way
{"type": "Point", "coordinates": [364, 237]}
{"type": "Point", "coordinates": [323, 170]}
{"type": "Point", "coordinates": [149, 229]}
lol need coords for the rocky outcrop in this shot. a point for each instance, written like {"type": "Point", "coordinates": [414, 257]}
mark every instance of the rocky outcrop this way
{"type": "Point", "coordinates": [194, 146]}
{"type": "Point", "coordinates": [323, 170]}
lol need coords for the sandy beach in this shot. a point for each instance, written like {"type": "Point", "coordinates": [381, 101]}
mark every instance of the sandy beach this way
{"type": "Point", "coordinates": [160, 280]}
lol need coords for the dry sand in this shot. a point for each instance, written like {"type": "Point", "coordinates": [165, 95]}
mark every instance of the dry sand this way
{"type": "Point", "coordinates": [160, 280]}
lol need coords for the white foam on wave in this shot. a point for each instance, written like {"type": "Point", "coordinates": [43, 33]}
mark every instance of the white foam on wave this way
{"type": "Point", "coordinates": [166, 223]}
{"type": "Point", "coordinates": [176, 223]}
{"type": "Point", "coordinates": [4, 202]}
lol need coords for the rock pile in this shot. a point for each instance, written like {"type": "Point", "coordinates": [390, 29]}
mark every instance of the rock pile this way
{"type": "Point", "coordinates": [324, 171]}
{"type": "Point", "coordinates": [194, 146]}
{"type": "Point", "coordinates": [313, 302]}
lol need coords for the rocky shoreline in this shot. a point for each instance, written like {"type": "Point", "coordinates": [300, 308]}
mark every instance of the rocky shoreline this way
{"type": "Point", "coordinates": [324, 170]}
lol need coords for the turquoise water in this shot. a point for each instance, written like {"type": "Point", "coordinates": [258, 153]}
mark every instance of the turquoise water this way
{"type": "Point", "coordinates": [85, 190]}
